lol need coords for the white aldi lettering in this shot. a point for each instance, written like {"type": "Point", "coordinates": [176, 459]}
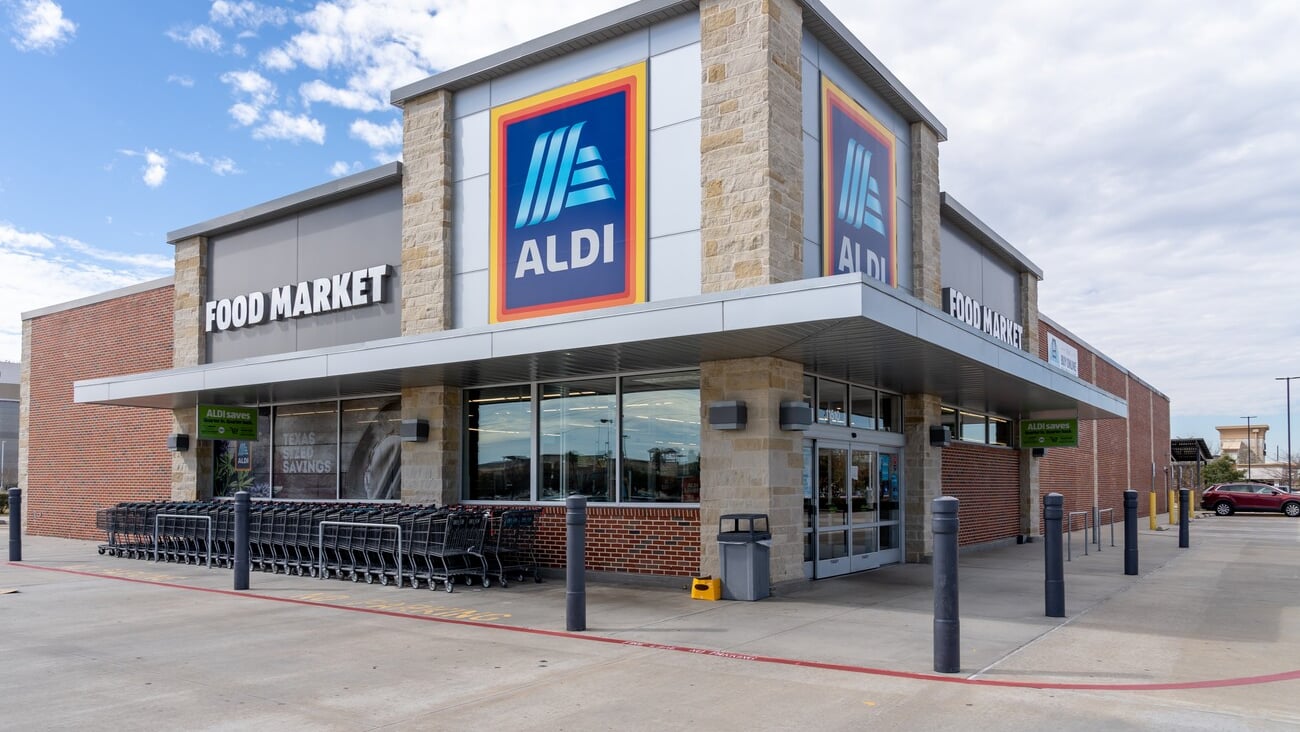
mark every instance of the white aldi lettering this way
{"type": "Point", "coordinates": [969, 311]}
{"type": "Point", "coordinates": [309, 297]}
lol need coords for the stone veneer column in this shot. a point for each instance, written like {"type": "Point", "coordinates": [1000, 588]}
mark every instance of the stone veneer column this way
{"type": "Point", "coordinates": [191, 470]}
{"type": "Point", "coordinates": [758, 469]}
{"type": "Point", "coordinates": [1029, 312]}
{"type": "Point", "coordinates": [1030, 501]}
{"type": "Point", "coordinates": [430, 470]}
{"type": "Point", "coordinates": [927, 283]}
{"type": "Point", "coordinates": [923, 476]}
{"type": "Point", "coordinates": [751, 147]}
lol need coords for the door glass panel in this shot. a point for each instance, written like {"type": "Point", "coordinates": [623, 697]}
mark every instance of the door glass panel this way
{"type": "Point", "coordinates": [889, 537]}
{"type": "Point", "coordinates": [864, 541]}
{"type": "Point", "coordinates": [809, 508]}
{"type": "Point", "coordinates": [864, 493]}
{"type": "Point", "coordinates": [832, 472]}
{"type": "Point", "coordinates": [888, 487]}
{"type": "Point", "coordinates": [832, 545]}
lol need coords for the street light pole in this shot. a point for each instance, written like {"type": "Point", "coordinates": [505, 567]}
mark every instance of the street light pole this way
{"type": "Point", "coordinates": [1288, 379]}
{"type": "Point", "coordinates": [1247, 445]}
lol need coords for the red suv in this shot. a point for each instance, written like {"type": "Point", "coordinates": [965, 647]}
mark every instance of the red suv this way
{"type": "Point", "coordinates": [1226, 499]}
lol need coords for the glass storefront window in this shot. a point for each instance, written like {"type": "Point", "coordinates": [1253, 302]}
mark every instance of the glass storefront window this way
{"type": "Point", "coordinates": [370, 450]}
{"type": "Point", "coordinates": [862, 408]}
{"type": "Point", "coordinates": [498, 443]}
{"type": "Point", "coordinates": [661, 438]}
{"type": "Point", "coordinates": [305, 451]}
{"type": "Point", "coordinates": [244, 466]}
{"type": "Point", "coordinates": [973, 428]}
{"type": "Point", "coordinates": [578, 435]}
{"type": "Point", "coordinates": [890, 413]}
{"type": "Point", "coordinates": [948, 418]}
{"type": "Point", "coordinates": [999, 431]}
{"type": "Point", "coordinates": [832, 403]}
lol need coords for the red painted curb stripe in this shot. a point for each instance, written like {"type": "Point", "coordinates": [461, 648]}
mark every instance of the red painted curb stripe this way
{"type": "Point", "coordinates": [1168, 686]}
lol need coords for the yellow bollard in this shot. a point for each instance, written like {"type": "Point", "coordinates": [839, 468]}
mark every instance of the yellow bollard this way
{"type": "Point", "coordinates": [1154, 511]}
{"type": "Point", "coordinates": [1172, 507]}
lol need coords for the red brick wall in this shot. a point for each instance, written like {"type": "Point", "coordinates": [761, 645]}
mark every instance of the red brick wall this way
{"type": "Point", "coordinates": [986, 481]}
{"type": "Point", "coordinates": [83, 457]}
{"type": "Point", "coordinates": [658, 541]}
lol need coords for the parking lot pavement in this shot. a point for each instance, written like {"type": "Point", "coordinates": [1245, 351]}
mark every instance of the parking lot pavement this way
{"type": "Point", "coordinates": [1204, 638]}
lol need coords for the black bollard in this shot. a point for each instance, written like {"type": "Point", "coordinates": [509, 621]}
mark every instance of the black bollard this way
{"type": "Point", "coordinates": [947, 623]}
{"type": "Point", "coordinates": [241, 540]}
{"type": "Point", "coordinates": [1184, 518]}
{"type": "Point", "coordinates": [1054, 571]}
{"type": "Point", "coordinates": [15, 524]}
{"type": "Point", "coordinates": [1130, 531]}
{"type": "Point", "coordinates": [575, 578]}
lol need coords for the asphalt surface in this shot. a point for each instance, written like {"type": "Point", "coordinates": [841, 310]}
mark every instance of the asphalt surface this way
{"type": "Point", "coordinates": [1204, 638]}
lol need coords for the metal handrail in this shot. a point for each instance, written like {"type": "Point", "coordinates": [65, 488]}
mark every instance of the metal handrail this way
{"type": "Point", "coordinates": [1069, 537]}
{"type": "Point", "coordinates": [1111, 511]}
{"type": "Point", "coordinates": [320, 543]}
{"type": "Point", "coordinates": [184, 516]}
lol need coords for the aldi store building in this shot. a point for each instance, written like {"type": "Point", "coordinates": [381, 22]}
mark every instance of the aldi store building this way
{"type": "Point", "coordinates": [686, 259]}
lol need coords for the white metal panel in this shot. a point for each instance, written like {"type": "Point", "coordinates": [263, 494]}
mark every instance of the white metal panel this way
{"type": "Point", "coordinates": [675, 33]}
{"type": "Point", "coordinates": [674, 263]}
{"type": "Point", "coordinates": [799, 306]}
{"type": "Point", "coordinates": [675, 88]}
{"type": "Point", "coordinates": [396, 354]}
{"type": "Point", "coordinates": [471, 146]}
{"type": "Point", "coordinates": [623, 327]}
{"type": "Point", "coordinates": [471, 221]}
{"type": "Point", "coordinates": [266, 372]}
{"type": "Point", "coordinates": [612, 54]}
{"type": "Point", "coordinates": [675, 193]}
{"type": "Point", "coordinates": [888, 309]}
{"type": "Point", "coordinates": [471, 100]}
{"type": "Point", "coordinates": [469, 299]}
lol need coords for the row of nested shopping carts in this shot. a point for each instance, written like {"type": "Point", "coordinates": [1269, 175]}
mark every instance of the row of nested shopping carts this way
{"type": "Point", "coordinates": [405, 544]}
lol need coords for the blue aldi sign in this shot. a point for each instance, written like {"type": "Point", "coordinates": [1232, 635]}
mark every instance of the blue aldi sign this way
{"type": "Point", "coordinates": [859, 226]}
{"type": "Point", "coordinates": [568, 198]}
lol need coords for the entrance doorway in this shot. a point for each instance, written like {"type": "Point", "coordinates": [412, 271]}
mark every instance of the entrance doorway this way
{"type": "Point", "coordinates": [852, 507]}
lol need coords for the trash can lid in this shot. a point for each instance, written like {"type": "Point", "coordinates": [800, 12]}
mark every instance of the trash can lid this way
{"type": "Point", "coordinates": [747, 523]}
{"type": "Point", "coordinates": [744, 537]}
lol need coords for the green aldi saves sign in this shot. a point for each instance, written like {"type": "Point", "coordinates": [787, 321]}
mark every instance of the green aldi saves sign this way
{"type": "Point", "coordinates": [1049, 432]}
{"type": "Point", "coordinates": [227, 423]}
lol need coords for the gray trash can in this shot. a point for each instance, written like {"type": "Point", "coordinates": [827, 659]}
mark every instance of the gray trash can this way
{"type": "Point", "coordinates": [744, 546]}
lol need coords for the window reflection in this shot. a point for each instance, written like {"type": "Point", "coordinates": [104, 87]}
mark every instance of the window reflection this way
{"type": "Point", "coordinates": [371, 449]}
{"type": "Point", "coordinates": [497, 443]}
{"type": "Point", "coordinates": [578, 439]}
{"type": "Point", "coordinates": [661, 437]}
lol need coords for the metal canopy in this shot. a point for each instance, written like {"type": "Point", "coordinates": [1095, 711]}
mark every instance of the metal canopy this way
{"type": "Point", "coordinates": [1188, 449]}
{"type": "Point", "coordinates": [844, 327]}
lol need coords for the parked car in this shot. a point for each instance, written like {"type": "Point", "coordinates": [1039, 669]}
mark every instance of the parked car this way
{"type": "Point", "coordinates": [1226, 499]}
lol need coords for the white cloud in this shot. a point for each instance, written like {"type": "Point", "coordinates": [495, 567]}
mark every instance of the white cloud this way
{"type": "Point", "coordinates": [199, 38]}
{"type": "Point", "coordinates": [180, 79]}
{"type": "Point", "coordinates": [221, 166]}
{"type": "Point", "coordinates": [12, 238]}
{"type": "Point", "coordinates": [40, 26]}
{"type": "Point", "coordinates": [281, 125]}
{"type": "Point", "coordinates": [245, 114]}
{"type": "Point", "coordinates": [155, 169]}
{"type": "Point", "coordinates": [379, 137]}
{"type": "Point", "coordinates": [341, 168]}
{"type": "Point", "coordinates": [246, 14]}
{"type": "Point", "coordinates": [254, 93]}
{"type": "Point", "coordinates": [318, 91]}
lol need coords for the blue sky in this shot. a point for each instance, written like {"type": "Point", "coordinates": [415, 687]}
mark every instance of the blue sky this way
{"type": "Point", "coordinates": [1148, 165]}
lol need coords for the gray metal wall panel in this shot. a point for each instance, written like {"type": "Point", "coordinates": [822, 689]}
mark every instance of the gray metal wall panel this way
{"type": "Point", "coordinates": [812, 259]}
{"type": "Point", "coordinates": [470, 299]}
{"type": "Point", "coordinates": [675, 179]}
{"type": "Point", "coordinates": [471, 100]}
{"type": "Point", "coordinates": [809, 48]}
{"type": "Point", "coordinates": [810, 88]}
{"type": "Point", "coordinates": [674, 264]}
{"type": "Point", "coordinates": [358, 232]}
{"type": "Point", "coordinates": [675, 33]}
{"type": "Point", "coordinates": [471, 201]}
{"type": "Point", "coordinates": [904, 212]}
{"type": "Point", "coordinates": [969, 267]}
{"type": "Point", "coordinates": [471, 151]}
{"type": "Point", "coordinates": [812, 185]}
{"type": "Point", "coordinates": [1001, 288]}
{"type": "Point", "coordinates": [613, 54]}
{"type": "Point", "coordinates": [675, 87]}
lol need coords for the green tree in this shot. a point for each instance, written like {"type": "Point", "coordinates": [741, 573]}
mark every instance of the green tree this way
{"type": "Point", "coordinates": [1222, 469]}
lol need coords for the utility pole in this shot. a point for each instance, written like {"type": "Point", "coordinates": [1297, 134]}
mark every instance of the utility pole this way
{"type": "Point", "coordinates": [1288, 379]}
{"type": "Point", "coordinates": [1248, 449]}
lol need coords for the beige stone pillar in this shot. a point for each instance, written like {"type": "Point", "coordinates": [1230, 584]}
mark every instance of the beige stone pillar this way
{"type": "Point", "coordinates": [427, 214]}
{"type": "Point", "coordinates": [758, 469]}
{"type": "Point", "coordinates": [927, 284]}
{"type": "Point", "coordinates": [1029, 312]}
{"type": "Point", "coordinates": [431, 469]}
{"type": "Point", "coordinates": [1030, 499]}
{"type": "Point", "coordinates": [191, 470]}
{"type": "Point", "coordinates": [923, 475]}
{"type": "Point", "coordinates": [751, 147]}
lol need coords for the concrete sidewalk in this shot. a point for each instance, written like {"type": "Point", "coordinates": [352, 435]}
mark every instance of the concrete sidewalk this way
{"type": "Point", "coordinates": [1208, 636]}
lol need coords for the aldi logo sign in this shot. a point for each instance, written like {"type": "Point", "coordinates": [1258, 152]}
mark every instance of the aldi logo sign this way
{"type": "Point", "coordinates": [859, 227]}
{"type": "Point", "coordinates": [568, 198]}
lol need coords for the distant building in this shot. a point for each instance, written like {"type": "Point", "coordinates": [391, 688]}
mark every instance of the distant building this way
{"type": "Point", "coordinates": [9, 396]}
{"type": "Point", "coordinates": [1248, 446]}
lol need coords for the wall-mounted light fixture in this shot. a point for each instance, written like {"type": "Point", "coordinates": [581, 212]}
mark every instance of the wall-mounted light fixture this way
{"type": "Point", "coordinates": [940, 436]}
{"type": "Point", "coordinates": [727, 415]}
{"type": "Point", "coordinates": [1038, 451]}
{"type": "Point", "coordinates": [178, 443]}
{"type": "Point", "coordinates": [415, 430]}
{"type": "Point", "coordinates": [796, 416]}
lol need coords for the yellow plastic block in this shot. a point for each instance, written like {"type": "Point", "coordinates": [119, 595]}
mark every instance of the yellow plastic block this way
{"type": "Point", "coordinates": [706, 588]}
